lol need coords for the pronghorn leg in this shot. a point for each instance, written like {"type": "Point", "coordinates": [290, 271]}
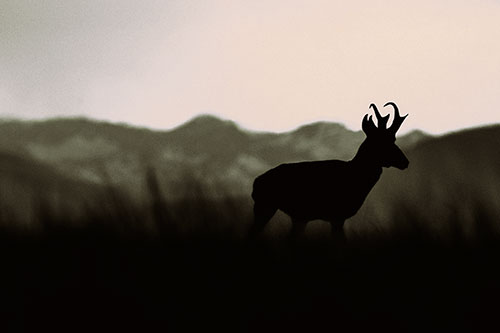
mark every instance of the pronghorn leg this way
{"type": "Point", "coordinates": [337, 230]}
{"type": "Point", "coordinates": [262, 214]}
{"type": "Point", "coordinates": [298, 229]}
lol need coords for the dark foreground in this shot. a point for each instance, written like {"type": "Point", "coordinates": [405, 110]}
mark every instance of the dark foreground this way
{"type": "Point", "coordinates": [103, 276]}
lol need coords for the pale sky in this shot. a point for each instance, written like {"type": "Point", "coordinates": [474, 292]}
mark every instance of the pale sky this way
{"type": "Point", "coordinates": [266, 64]}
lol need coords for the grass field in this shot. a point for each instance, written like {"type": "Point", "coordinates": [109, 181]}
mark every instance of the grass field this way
{"type": "Point", "coordinates": [187, 266]}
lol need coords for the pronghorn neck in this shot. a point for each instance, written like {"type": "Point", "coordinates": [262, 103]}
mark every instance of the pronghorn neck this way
{"type": "Point", "coordinates": [367, 159]}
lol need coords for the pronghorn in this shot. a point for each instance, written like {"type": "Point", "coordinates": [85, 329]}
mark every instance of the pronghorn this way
{"type": "Point", "coordinates": [330, 190]}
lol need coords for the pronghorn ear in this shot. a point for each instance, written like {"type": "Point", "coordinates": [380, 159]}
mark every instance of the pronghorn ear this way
{"type": "Point", "coordinates": [368, 126]}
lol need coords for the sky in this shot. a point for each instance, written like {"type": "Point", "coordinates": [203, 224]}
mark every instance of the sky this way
{"type": "Point", "coordinates": [269, 65]}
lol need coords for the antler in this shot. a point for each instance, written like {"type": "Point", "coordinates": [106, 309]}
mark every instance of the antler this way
{"type": "Point", "coordinates": [382, 121]}
{"type": "Point", "coordinates": [368, 126]}
{"type": "Point", "coordinates": [398, 120]}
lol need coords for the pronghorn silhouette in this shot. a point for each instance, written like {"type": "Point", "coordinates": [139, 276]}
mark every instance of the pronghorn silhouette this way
{"type": "Point", "coordinates": [330, 190]}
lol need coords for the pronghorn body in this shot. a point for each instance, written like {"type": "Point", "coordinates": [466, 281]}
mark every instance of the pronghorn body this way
{"type": "Point", "coordinates": [330, 190]}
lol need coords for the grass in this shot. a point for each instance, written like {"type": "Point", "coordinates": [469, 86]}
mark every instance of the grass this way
{"type": "Point", "coordinates": [186, 265]}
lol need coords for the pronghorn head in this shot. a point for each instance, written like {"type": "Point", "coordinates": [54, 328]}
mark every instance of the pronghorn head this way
{"type": "Point", "coordinates": [380, 141]}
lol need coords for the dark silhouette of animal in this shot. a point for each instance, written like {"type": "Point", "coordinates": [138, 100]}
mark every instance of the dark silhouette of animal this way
{"type": "Point", "coordinates": [330, 190]}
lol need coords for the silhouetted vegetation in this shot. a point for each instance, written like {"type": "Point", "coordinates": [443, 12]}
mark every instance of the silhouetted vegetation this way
{"type": "Point", "coordinates": [186, 265]}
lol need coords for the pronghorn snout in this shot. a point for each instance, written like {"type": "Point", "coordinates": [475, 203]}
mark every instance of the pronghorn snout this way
{"type": "Point", "coordinates": [402, 163]}
{"type": "Point", "coordinates": [406, 164]}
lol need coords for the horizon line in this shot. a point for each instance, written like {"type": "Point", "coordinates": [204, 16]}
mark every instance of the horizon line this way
{"type": "Point", "coordinates": [7, 118]}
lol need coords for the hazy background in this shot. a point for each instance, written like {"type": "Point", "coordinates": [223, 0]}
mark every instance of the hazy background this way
{"type": "Point", "coordinates": [268, 65]}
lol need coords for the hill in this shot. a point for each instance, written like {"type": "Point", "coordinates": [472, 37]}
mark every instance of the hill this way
{"type": "Point", "coordinates": [214, 152]}
{"type": "Point", "coordinates": [455, 177]}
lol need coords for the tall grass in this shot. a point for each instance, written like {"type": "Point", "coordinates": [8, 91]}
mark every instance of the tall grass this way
{"type": "Point", "coordinates": [186, 265]}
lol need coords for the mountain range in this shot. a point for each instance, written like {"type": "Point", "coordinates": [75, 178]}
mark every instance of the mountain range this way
{"type": "Point", "coordinates": [456, 174]}
{"type": "Point", "coordinates": [214, 152]}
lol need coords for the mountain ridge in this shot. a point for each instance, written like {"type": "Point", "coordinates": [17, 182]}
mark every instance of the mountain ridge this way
{"type": "Point", "coordinates": [219, 158]}
{"type": "Point", "coordinates": [211, 149]}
